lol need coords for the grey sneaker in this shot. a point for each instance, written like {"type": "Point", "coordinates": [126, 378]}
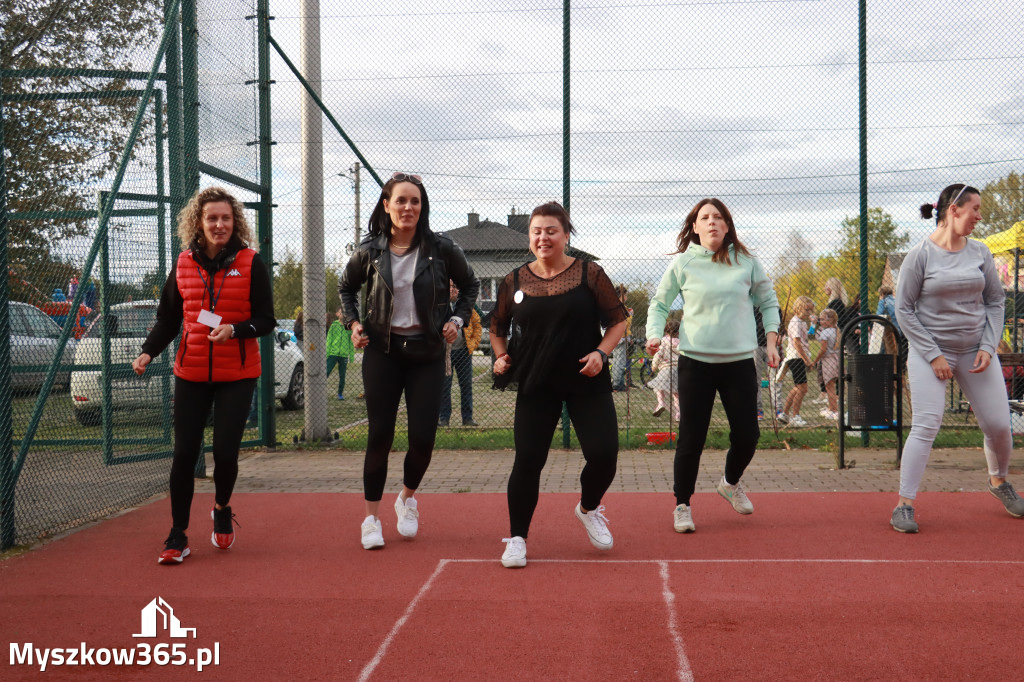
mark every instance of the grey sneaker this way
{"type": "Point", "coordinates": [597, 526]}
{"type": "Point", "coordinates": [1009, 497]}
{"type": "Point", "coordinates": [734, 493]}
{"type": "Point", "coordinates": [903, 519]}
{"type": "Point", "coordinates": [682, 519]}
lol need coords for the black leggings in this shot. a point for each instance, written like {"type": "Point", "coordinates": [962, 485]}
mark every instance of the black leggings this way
{"type": "Point", "coordinates": [593, 417]}
{"type": "Point", "coordinates": [385, 376]}
{"type": "Point", "coordinates": [736, 382]}
{"type": "Point", "coordinates": [230, 401]}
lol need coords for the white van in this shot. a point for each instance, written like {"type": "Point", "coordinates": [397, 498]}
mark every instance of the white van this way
{"type": "Point", "coordinates": [127, 328]}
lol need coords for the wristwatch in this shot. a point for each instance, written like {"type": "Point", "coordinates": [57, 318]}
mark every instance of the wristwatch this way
{"type": "Point", "coordinates": [232, 331]}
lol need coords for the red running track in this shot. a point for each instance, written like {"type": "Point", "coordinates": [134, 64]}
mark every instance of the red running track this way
{"type": "Point", "coordinates": [812, 586]}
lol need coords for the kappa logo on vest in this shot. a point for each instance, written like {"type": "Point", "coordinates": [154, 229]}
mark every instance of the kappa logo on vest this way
{"type": "Point", "coordinates": [234, 273]}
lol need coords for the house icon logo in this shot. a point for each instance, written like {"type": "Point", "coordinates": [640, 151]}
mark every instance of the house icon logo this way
{"type": "Point", "coordinates": [158, 615]}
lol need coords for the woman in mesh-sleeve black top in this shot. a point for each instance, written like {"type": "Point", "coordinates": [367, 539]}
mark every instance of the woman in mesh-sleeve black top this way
{"type": "Point", "coordinates": [555, 308]}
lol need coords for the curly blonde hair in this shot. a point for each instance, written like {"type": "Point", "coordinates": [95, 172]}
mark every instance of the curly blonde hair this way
{"type": "Point", "coordinates": [190, 219]}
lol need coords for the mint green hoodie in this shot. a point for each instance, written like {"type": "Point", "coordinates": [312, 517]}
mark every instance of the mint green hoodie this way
{"type": "Point", "coordinates": [718, 305]}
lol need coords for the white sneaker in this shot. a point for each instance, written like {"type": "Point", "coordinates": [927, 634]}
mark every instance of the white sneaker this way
{"type": "Point", "coordinates": [408, 517]}
{"type": "Point", "coordinates": [734, 493]}
{"type": "Point", "coordinates": [797, 420]}
{"type": "Point", "coordinates": [597, 526]}
{"type": "Point", "coordinates": [373, 535]}
{"type": "Point", "coordinates": [682, 519]}
{"type": "Point", "coordinates": [782, 417]}
{"type": "Point", "coordinates": [829, 414]}
{"type": "Point", "coordinates": [515, 553]}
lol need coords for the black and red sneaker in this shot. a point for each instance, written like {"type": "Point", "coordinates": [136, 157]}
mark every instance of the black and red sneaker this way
{"type": "Point", "coordinates": [175, 548]}
{"type": "Point", "coordinates": [223, 535]}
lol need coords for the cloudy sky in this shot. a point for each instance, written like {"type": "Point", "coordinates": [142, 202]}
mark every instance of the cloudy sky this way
{"type": "Point", "coordinates": [753, 101]}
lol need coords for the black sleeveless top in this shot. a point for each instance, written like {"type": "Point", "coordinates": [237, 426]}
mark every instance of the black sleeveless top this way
{"type": "Point", "coordinates": [553, 324]}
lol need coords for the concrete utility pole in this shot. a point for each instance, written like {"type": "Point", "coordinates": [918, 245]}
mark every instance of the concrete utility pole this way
{"type": "Point", "coordinates": [313, 282]}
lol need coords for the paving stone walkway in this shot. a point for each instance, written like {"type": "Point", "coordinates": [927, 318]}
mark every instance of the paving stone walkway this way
{"type": "Point", "coordinates": [639, 471]}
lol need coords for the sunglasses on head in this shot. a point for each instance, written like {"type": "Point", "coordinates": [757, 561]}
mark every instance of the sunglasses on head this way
{"type": "Point", "coordinates": [398, 176]}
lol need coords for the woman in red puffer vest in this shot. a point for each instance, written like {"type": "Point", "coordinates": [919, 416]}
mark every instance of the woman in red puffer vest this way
{"type": "Point", "coordinates": [219, 295]}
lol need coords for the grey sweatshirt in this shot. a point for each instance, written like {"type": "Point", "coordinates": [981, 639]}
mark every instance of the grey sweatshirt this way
{"type": "Point", "coordinates": [950, 301]}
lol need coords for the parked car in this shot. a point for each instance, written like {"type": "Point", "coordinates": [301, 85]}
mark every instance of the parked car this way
{"type": "Point", "coordinates": [128, 326]}
{"type": "Point", "coordinates": [485, 342]}
{"type": "Point", "coordinates": [33, 341]}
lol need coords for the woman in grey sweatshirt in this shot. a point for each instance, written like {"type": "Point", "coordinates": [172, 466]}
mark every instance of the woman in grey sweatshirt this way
{"type": "Point", "coordinates": [949, 302]}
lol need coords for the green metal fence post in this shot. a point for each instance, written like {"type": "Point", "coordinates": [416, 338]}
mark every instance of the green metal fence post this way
{"type": "Point", "coordinates": [190, 121]}
{"type": "Point", "coordinates": [7, 477]}
{"type": "Point", "coordinates": [175, 151]}
{"type": "Point", "coordinates": [175, 145]}
{"type": "Point", "coordinates": [264, 228]}
{"type": "Point", "coordinates": [106, 377]}
{"type": "Point", "coordinates": [862, 37]}
{"type": "Point", "coordinates": [190, 98]}
{"type": "Point", "coordinates": [320, 103]}
{"type": "Point", "coordinates": [565, 158]}
{"type": "Point", "coordinates": [161, 229]}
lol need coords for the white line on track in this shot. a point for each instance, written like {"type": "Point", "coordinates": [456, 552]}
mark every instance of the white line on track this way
{"type": "Point", "coordinates": [685, 673]}
{"type": "Point", "coordinates": [379, 656]}
{"type": "Point", "coordinates": [1009, 562]}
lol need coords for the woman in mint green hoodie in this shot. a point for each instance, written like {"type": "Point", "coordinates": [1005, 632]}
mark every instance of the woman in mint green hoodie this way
{"type": "Point", "coordinates": [720, 284]}
{"type": "Point", "coordinates": [340, 351]}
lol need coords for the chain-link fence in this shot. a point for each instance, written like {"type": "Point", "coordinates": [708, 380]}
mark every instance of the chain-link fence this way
{"type": "Point", "coordinates": [757, 103]}
{"type": "Point", "coordinates": [100, 133]}
{"type": "Point", "coordinates": [629, 113]}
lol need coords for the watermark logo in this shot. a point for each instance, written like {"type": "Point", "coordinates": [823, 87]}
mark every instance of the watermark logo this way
{"type": "Point", "coordinates": [158, 620]}
{"type": "Point", "coordinates": [158, 612]}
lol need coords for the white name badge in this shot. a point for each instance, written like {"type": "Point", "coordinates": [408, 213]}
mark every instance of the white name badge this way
{"type": "Point", "coordinates": [211, 320]}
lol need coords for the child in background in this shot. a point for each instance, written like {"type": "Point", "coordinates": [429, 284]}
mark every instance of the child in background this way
{"type": "Point", "coordinates": [828, 359]}
{"type": "Point", "coordinates": [664, 364]}
{"type": "Point", "coordinates": [339, 351]}
{"type": "Point", "coordinates": [798, 360]}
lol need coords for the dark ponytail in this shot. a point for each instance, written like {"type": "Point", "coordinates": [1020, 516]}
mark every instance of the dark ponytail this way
{"type": "Point", "coordinates": [954, 194]}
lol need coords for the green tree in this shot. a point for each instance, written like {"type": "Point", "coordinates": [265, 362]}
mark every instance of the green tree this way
{"type": "Point", "coordinates": [884, 238]}
{"type": "Point", "coordinates": [287, 281]}
{"type": "Point", "coordinates": [1002, 205]}
{"type": "Point", "coordinates": [57, 150]}
{"type": "Point", "coordinates": [795, 272]}
{"type": "Point", "coordinates": [638, 300]}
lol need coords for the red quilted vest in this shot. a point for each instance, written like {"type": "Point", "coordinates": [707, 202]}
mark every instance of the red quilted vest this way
{"type": "Point", "coordinates": [237, 358]}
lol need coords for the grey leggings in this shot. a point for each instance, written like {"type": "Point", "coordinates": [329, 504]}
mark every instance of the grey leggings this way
{"type": "Point", "coordinates": [987, 394]}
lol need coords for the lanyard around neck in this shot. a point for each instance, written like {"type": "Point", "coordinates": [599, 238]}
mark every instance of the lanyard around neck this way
{"type": "Point", "coordinates": [209, 286]}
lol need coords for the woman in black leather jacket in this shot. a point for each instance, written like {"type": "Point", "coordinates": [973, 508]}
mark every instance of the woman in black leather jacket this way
{"type": "Point", "coordinates": [407, 321]}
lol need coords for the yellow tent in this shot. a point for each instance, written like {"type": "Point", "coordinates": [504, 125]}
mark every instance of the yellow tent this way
{"type": "Point", "coordinates": [1002, 244]}
{"type": "Point", "coordinates": [1007, 240]}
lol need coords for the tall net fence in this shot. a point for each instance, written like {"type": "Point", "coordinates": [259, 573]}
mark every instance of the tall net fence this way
{"type": "Point", "coordinates": [756, 103]}
{"type": "Point", "coordinates": [87, 435]}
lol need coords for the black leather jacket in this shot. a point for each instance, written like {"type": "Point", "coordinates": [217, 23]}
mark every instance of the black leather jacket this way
{"type": "Point", "coordinates": [439, 260]}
